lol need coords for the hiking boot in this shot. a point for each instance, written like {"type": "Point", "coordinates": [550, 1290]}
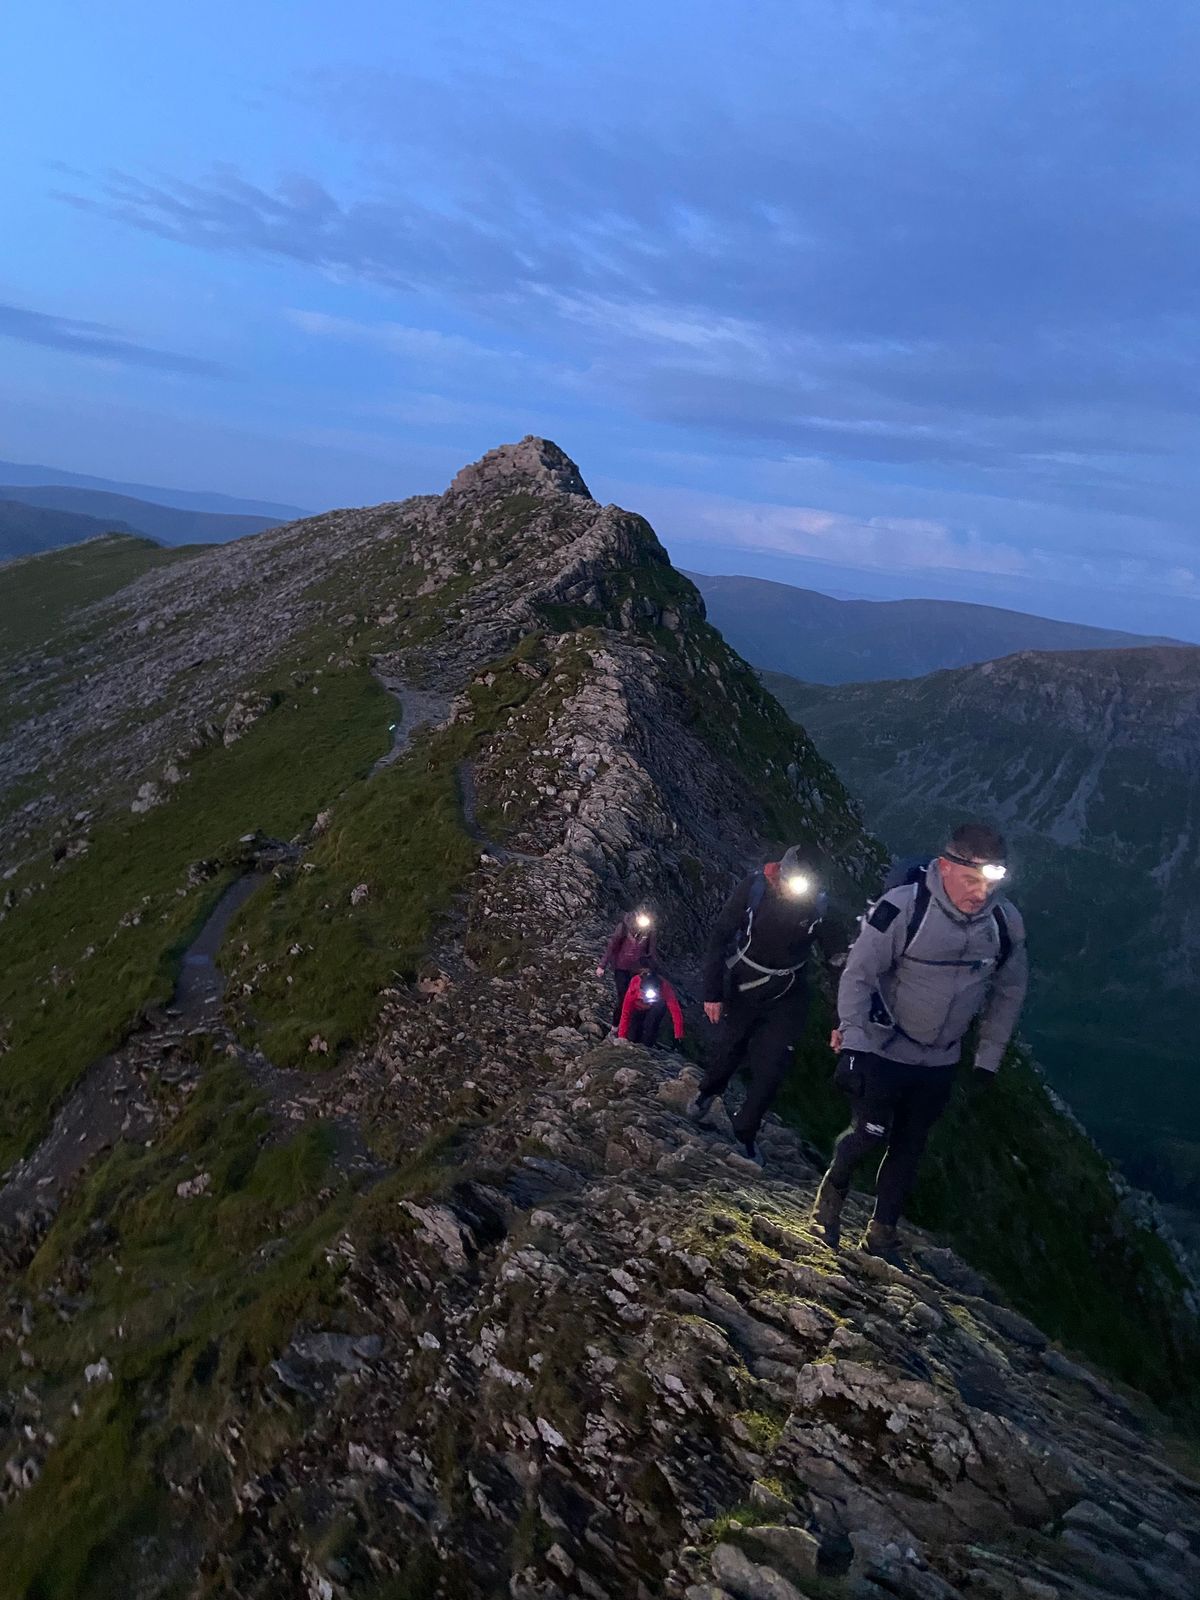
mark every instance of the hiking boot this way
{"type": "Point", "coordinates": [883, 1240]}
{"type": "Point", "coordinates": [700, 1107]}
{"type": "Point", "coordinates": [750, 1150]}
{"type": "Point", "coordinates": [827, 1212]}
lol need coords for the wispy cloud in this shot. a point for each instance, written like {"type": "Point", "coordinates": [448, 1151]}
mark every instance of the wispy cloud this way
{"type": "Point", "coordinates": [943, 253]}
{"type": "Point", "coordinates": [901, 544]}
{"type": "Point", "coordinates": [426, 345]}
{"type": "Point", "coordinates": [97, 341]}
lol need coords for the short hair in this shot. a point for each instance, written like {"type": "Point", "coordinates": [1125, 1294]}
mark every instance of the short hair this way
{"type": "Point", "coordinates": [978, 842]}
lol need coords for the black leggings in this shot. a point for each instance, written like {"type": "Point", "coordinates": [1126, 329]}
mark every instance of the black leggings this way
{"type": "Point", "coordinates": [644, 1024]}
{"type": "Point", "coordinates": [894, 1108]}
{"type": "Point", "coordinates": [761, 1036]}
{"type": "Point", "coordinates": [621, 982]}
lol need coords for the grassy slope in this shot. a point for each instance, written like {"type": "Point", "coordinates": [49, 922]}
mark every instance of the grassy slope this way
{"type": "Point", "coordinates": [37, 596]}
{"type": "Point", "coordinates": [402, 836]}
{"type": "Point", "coordinates": [275, 779]}
{"type": "Point", "coordinates": [171, 1274]}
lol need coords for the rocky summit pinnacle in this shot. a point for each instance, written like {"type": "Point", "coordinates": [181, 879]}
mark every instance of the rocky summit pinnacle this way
{"type": "Point", "coordinates": [534, 466]}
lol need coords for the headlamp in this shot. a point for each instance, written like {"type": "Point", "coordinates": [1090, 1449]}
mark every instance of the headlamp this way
{"type": "Point", "coordinates": [643, 919]}
{"type": "Point", "coordinates": [797, 883]}
{"type": "Point", "coordinates": [993, 871]}
{"type": "Point", "coordinates": [650, 994]}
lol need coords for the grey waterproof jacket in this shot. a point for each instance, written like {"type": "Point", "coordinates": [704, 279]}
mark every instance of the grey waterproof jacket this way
{"type": "Point", "coordinates": [934, 990]}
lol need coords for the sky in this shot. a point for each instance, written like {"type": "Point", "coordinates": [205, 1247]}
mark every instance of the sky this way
{"type": "Point", "coordinates": [895, 299]}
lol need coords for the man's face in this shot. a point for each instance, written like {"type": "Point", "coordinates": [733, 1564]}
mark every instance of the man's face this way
{"type": "Point", "coordinates": [967, 887]}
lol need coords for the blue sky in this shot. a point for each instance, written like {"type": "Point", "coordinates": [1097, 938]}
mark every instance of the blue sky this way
{"type": "Point", "coordinates": [896, 299]}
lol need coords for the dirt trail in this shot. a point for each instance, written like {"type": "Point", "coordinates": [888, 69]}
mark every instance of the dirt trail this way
{"type": "Point", "coordinates": [417, 708]}
{"type": "Point", "coordinates": [114, 1098]}
{"type": "Point", "coordinates": [201, 986]}
{"type": "Point", "coordinates": [465, 777]}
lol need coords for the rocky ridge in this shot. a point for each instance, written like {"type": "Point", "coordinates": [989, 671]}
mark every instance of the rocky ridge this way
{"type": "Point", "coordinates": [554, 1342]}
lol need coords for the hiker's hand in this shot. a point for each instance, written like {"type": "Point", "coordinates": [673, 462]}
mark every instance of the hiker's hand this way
{"type": "Point", "coordinates": [712, 1010]}
{"type": "Point", "coordinates": [835, 1041]}
{"type": "Point", "coordinates": [599, 972]}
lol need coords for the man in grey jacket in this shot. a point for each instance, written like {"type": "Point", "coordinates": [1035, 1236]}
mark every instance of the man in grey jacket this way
{"type": "Point", "coordinates": [933, 954]}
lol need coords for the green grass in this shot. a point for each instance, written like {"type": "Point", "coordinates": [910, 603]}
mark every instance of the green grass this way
{"type": "Point", "coordinates": [401, 835]}
{"type": "Point", "coordinates": [172, 1307]}
{"type": "Point", "coordinates": [189, 1300]}
{"type": "Point", "coordinates": [39, 595]}
{"type": "Point", "coordinates": [294, 761]}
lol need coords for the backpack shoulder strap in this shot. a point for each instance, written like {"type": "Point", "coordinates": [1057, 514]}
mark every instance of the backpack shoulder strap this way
{"type": "Point", "coordinates": [1006, 940]}
{"type": "Point", "coordinates": [745, 932]}
{"type": "Point", "coordinates": [916, 916]}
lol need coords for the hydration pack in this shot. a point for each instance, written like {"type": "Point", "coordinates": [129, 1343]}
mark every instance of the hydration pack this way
{"type": "Point", "coordinates": [740, 956]}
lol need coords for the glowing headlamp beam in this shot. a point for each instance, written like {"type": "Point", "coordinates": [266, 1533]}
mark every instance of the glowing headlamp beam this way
{"type": "Point", "coordinates": [994, 872]}
{"type": "Point", "coordinates": [796, 883]}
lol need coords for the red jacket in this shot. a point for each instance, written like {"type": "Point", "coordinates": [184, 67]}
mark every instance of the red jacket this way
{"type": "Point", "coordinates": [634, 1002]}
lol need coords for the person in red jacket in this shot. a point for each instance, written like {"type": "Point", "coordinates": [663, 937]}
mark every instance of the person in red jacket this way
{"type": "Point", "coordinates": [648, 997]}
{"type": "Point", "coordinates": [632, 946]}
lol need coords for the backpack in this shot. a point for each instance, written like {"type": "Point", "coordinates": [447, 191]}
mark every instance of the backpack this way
{"type": "Point", "coordinates": [914, 872]}
{"type": "Point", "coordinates": [907, 872]}
{"type": "Point", "coordinates": [739, 952]}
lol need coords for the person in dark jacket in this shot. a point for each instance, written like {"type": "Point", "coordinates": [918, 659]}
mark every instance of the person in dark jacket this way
{"type": "Point", "coordinates": [932, 955]}
{"type": "Point", "coordinates": [755, 987]}
{"type": "Point", "coordinates": [633, 945]}
{"type": "Point", "coordinates": [647, 1000]}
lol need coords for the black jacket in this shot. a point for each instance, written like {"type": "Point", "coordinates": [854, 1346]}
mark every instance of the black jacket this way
{"type": "Point", "coordinates": [784, 932]}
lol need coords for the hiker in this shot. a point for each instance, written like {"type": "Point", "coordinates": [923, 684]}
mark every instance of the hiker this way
{"type": "Point", "coordinates": [755, 987]}
{"type": "Point", "coordinates": [938, 950]}
{"type": "Point", "coordinates": [632, 945]}
{"type": "Point", "coordinates": [647, 1000]}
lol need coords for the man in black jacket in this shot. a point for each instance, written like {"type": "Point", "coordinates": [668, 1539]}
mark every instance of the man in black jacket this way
{"type": "Point", "coordinates": [755, 986]}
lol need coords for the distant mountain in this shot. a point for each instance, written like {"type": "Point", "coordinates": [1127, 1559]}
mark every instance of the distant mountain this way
{"type": "Point", "coordinates": [1090, 762]}
{"type": "Point", "coordinates": [171, 524]}
{"type": "Point", "coordinates": [822, 640]}
{"type": "Point", "coordinates": [21, 475]}
{"type": "Point", "coordinates": [27, 530]}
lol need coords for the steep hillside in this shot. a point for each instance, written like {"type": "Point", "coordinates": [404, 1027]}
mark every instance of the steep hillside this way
{"type": "Point", "coordinates": [360, 1265]}
{"type": "Point", "coordinates": [821, 640]}
{"type": "Point", "coordinates": [27, 530]}
{"type": "Point", "coordinates": [1091, 762]}
{"type": "Point", "coordinates": [124, 514]}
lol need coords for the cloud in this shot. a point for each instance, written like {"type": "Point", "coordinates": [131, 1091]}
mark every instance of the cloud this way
{"type": "Point", "coordinates": [948, 247]}
{"type": "Point", "coordinates": [896, 544]}
{"type": "Point", "coordinates": [914, 555]}
{"type": "Point", "coordinates": [427, 346]}
{"type": "Point", "coordinates": [96, 340]}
